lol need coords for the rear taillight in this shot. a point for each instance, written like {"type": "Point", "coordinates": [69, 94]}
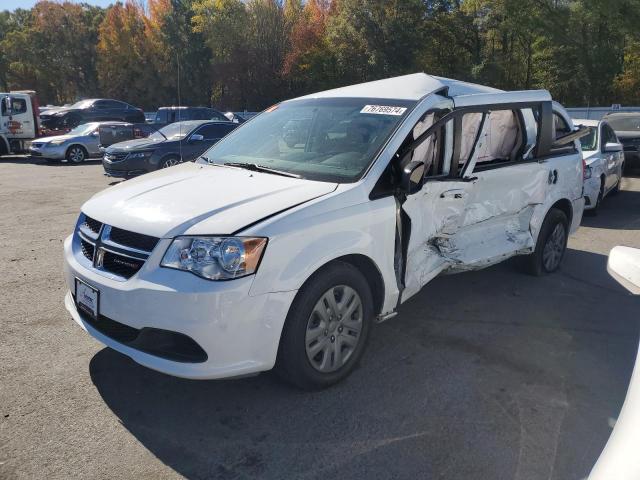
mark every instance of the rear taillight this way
{"type": "Point", "coordinates": [584, 170]}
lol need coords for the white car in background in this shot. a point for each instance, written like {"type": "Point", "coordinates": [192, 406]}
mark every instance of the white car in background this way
{"type": "Point", "coordinates": [269, 253]}
{"type": "Point", "coordinates": [604, 159]}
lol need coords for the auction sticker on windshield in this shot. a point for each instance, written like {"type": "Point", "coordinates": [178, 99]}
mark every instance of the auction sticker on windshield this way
{"type": "Point", "coordinates": [383, 110]}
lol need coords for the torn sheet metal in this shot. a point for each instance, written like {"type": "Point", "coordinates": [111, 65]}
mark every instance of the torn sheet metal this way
{"type": "Point", "coordinates": [488, 242]}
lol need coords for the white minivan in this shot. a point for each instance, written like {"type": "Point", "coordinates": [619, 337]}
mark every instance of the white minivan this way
{"type": "Point", "coordinates": [293, 235]}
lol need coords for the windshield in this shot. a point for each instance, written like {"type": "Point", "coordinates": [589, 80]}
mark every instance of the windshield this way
{"type": "Point", "coordinates": [84, 129]}
{"type": "Point", "coordinates": [174, 131]}
{"type": "Point", "coordinates": [330, 139]}
{"type": "Point", "coordinates": [82, 104]}
{"type": "Point", "coordinates": [624, 123]}
{"type": "Point", "coordinates": [590, 142]}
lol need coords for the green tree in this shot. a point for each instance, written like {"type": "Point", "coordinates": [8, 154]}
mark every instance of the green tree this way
{"type": "Point", "coordinates": [125, 61]}
{"type": "Point", "coordinates": [53, 51]}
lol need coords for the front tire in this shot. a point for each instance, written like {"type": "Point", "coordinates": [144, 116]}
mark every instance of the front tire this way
{"type": "Point", "coordinates": [170, 161]}
{"type": "Point", "coordinates": [76, 154]}
{"type": "Point", "coordinates": [594, 211]}
{"type": "Point", "coordinates": [551, 244]}
{"type": "Point", "coordinates": [326, 329]}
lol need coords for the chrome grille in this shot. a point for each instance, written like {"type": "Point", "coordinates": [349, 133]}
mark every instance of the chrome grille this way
{"type": "Point", "coordinates": [118, 252]}
{"type": "Point", "coordinates": [115, 157]}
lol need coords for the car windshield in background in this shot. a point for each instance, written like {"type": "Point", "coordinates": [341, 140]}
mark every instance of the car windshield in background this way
{"type": "Point", "coordinates": [84, 129]}
{"type": "Point", "coordinates": [624, 124]}
{"type": "Point", "coordinates": [590, 142]}
{"type": "Point", "coordinates": [329, 139]}
{"type": "Point", "coordinates": [174, 131]}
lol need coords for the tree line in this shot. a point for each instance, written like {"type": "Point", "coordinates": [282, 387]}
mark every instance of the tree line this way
{"type": "Point", "coordinates": [235, 54]}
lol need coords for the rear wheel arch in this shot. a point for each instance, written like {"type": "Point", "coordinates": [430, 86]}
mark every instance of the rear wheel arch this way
{"type": "Point", "coordinates": [565, 207]}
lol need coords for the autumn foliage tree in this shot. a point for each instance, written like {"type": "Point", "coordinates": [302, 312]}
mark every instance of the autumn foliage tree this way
{"type": "Point", "coordinates": [248, 54]}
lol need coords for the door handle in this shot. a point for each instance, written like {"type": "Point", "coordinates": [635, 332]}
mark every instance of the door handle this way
{"type": "Point", "coordinates": [455, 193]}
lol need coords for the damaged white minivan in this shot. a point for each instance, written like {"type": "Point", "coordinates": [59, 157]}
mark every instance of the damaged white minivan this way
{"type": "Point", "coordinates": [292, 236]}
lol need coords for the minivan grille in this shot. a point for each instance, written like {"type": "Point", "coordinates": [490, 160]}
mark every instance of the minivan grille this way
{"type": "Point", "coordinates": [133, 240]}
{"type": "Point", "coordinates": [114, 250]}
{"type": "Point", "coordinates": [92, 224]}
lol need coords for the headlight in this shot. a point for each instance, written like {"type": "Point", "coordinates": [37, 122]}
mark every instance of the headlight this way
{"type": "Point", "coordinates": [215, 258]}
{"type": "Point", "coordinates": [139, 155]}
{"type": "Point", "coordinates": [54, 143]}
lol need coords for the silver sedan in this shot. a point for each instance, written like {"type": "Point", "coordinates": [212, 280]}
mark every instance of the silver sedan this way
{"type": "Point", "coordinates": [80, 144]}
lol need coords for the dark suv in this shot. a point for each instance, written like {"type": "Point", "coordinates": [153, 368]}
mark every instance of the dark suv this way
{"type": "Point", "coordinates": [175, 143]}
{"type": "Point", "coordinates": [91, 110]}
{"type": "Point", "coordinates": [627, 128]}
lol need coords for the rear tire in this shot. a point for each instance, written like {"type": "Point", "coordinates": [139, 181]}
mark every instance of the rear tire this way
{"type": "Point", "coordinates": [551, 244]}
{"type": "Point", "coordinates": [326, 329]}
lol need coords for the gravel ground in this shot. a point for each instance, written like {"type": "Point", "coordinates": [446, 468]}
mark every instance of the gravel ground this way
{"type": "Point", "coordinates": [483, 375]}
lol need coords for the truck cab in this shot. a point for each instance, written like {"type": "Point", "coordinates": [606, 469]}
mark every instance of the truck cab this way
{"type": "Point", "coordinates": [18, 121]}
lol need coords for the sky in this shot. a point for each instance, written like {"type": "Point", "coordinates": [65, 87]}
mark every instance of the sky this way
{"type": "Point", "coordinates": [13, 4]}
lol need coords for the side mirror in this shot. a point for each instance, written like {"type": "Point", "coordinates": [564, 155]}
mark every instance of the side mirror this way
{"type": "Point", "coordinates": [624, 266]}
{"type": "Point", "coordinates": [412, 177]}
{"type": "Point", "coordinates": [95, 134]}
{"type": "Point", "coordinates": [6, 106]}
{"type": "Point", "coordinates": [612, 147]}
{"type": "Point", "coordinates": [196, 137]}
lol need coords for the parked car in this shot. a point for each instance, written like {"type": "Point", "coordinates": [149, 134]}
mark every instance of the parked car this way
{"type": "Point", "coordinates": [80, 144]}
{"type": "Point", "coordinates": [619, 458]}
{"type": "Point", "coordinates": [167, 115]}
{"type": "Point", "coordinates": [263, 254]}
{"type": "Point", "coordinates": [604, 162]}
{"type": "Point", "coordinates": [176, 143]}
{"type": "Point", "coordinates": [91, 110]}
{"type": "Point", "coordinates": [627, 128]}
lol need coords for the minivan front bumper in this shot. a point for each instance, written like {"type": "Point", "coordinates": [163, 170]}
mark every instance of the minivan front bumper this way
{"type": "Point", "coordinates": [239, 332]}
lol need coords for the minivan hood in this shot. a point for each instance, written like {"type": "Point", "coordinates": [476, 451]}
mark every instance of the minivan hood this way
{"type": "Point", "coordinates": [199, 199]}
{"type": "Point", "coordinates": [135, 144]}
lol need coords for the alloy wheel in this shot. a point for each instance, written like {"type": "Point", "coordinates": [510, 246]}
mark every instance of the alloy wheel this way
{"type": "Point", "coordinates": [170, 162]}
{"type": "Point", "coordinates": [76, 154]}
{"type": "Point", "coordinates": [554, 248]}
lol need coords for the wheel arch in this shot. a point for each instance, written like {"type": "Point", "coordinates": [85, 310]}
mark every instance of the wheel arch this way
{"type": "Point", "coordinates": [86, 152]}
{"type": "Point", "coordinates": [564, 205]}
{"type": "Point", "coordinates": [369, 270]}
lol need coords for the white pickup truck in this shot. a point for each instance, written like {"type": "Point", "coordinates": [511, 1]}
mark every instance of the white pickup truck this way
{"type": "Point", "coordinates": [18, 121]}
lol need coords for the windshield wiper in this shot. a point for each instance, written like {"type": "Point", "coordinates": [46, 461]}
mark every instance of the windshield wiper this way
{"type": "Point", "coordinates": [262, 168]}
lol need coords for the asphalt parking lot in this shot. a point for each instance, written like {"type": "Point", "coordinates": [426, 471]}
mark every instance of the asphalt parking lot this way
{"type": "Point", "coordinates": [483, 375]}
